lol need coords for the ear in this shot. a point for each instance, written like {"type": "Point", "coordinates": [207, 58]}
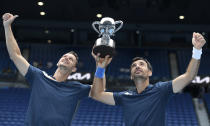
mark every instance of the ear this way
{"type": "Point", "coordinates": [150, 73]}
{"type": "Point", "coordinates": [74, 69]}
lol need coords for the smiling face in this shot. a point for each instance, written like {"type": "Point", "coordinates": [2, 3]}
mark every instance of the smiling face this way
{"type": "Point", "coordinates": [68, 61]}
{"type": "Point", "coordinates": [140, 69]}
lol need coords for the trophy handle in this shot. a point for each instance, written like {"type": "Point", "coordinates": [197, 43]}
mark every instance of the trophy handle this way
{"type": "Point", "coordinates": [93, 25]}
{"type": "Point", "coordinates": [121, 24]}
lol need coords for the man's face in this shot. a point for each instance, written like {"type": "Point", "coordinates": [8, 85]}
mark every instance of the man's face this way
{"type": "Point", "coordinates": [68, 61]}
{"type": "Point", "coordinates": [139, 69]}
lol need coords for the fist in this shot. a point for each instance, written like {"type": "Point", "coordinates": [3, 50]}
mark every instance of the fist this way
{"type": "Point", "coordinates": [198, 40]}
{"type": "Point", "coordinates": [8, 19]}
{"type": "Point", "coordinates": [101, 62]}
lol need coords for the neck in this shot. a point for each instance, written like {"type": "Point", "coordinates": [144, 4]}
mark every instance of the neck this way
{"type": "Point", "coordinates": [61, 74]}
{"type": "Point", "coordinates": [141, 84]}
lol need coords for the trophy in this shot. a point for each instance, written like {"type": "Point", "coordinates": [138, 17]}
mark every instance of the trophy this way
{"type": "Point", "coordinates": [106, 28]}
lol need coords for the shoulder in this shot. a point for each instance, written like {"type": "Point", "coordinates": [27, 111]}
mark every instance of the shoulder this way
{"type": "Point", "coordinates": [119, 97]}
{"type": "Point", "coordinates": [165, 87]}
{"type": "Point", "coordinates": [75, 83]}
{"type": "Point", "coordinates": [162, 84]}
{"type": "Point", "coordinates": [78, 84]}
{"type": "Point", "coordinates": [32, 71]}
{"type": "Point", "coordinates": [34, 68]}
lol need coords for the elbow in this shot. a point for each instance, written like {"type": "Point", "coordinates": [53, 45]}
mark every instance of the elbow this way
{"type": "Point", "coordinates": [93, 94]}
{"type": "Point", "coordinates": [176, 90]}
{"type": "Point", "coordinates": [13, 56]}
{"type": "Point", "coordinates": [190, 77]}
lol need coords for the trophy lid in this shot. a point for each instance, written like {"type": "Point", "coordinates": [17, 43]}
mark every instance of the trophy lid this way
{"type": "Point", "coordinates": [107, 20]}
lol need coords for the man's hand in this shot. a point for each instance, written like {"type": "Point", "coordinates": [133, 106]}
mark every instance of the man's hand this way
{"type": "Point", "coordinates": [101, 62]}
{"type": "Point", "coordinates": [198, 40]}
{"type": "Point", "coordinates": [8, 19]}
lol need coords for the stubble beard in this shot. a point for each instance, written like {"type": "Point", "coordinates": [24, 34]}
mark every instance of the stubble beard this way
{"type": "Point", "coordinates": [140, 77]}
{"type": "Point", "coordinates": [63, 68]}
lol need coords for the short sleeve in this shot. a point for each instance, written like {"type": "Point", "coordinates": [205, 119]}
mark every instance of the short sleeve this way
{"type": "Point", "coordinates": [165, 87]}
{"type": "Point", "coordinates": [31, 74]}
{"type": "Point", "coordinates": [85, 90]}
{"type": "Point", "coordinates": [118, 98]}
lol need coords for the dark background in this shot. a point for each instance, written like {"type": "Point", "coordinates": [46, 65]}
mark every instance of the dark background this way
{"type": "Point", "coordinates": [146, 22]}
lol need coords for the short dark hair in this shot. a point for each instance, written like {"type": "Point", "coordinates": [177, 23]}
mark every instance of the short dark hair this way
{"type": "Point", "coordinates": [75, 54]}
{"type": "Point", "coordinates": [149, 66]}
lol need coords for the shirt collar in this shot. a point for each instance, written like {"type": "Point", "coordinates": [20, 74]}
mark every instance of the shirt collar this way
{"type": "Point", "coordinates": [146, 89]}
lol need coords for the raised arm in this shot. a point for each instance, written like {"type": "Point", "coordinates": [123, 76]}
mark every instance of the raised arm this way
{"type": "Point", "coordinates": [104, 78]}
{"type": "Point", "coordinates": [12, 46]}
{"type": "Point", "coordinates": [99, 82]}
{"type": "Point", "coordinates": [183, 80]}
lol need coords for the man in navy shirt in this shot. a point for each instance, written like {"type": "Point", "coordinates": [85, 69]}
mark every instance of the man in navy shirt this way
{"type": "Point", "coordinates": [146, 106]}
{"type": "Point", "coordinates": [53, 100]}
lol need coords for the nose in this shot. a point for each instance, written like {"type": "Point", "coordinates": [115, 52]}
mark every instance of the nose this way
{"type": "Point", "coordinates": [66, 58]}
{"type": "Point", "coordinates": [137, 66]}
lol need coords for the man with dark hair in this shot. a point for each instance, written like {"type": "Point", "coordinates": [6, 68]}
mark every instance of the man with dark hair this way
{"type": "Point", "coordinates": [146, 105]}
{"type": "Point", "coordinates": [75, 55]}
{"type": "Point", "coordinates": [53, 99]}
{"type": "Point", "coordinates": [141, 58]}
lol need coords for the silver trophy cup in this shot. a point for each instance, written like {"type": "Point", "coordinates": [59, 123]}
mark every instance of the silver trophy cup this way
{"type": "Point", "coordinates": [106, 28]}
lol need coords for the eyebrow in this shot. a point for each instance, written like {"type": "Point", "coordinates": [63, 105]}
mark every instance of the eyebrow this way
{"type": "Point", "coordinates": [142, 62]}
{"type": "Point", "coordinates": [139, 62]}
{"type": "Point", "coordinates": [73, 57]}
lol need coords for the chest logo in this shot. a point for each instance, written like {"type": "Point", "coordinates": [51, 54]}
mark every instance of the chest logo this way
{"type": "Point", "coordinates": [127, 93]}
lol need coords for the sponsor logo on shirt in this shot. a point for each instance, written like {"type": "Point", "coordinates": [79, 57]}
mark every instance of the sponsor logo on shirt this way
{"type": "Point", "coordinates": [127, 93]}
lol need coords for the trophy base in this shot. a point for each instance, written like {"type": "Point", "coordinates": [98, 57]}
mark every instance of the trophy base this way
{"type": "Point", "coordinates": [104, 51]}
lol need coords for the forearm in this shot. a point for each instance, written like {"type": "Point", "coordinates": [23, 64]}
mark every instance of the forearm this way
{"type": "Point", "coordinates": [182, 81]}
{"type": "Point", "coordinates": [11, 43]}
{"type": "Point", "coordinates": [97, 87]}
{"type": "Point", "coordinates": [99, 82]}
{"type": "Point", "coordinates": [104, 83]}
{"type": "Point", "coordinates": [192, 69]}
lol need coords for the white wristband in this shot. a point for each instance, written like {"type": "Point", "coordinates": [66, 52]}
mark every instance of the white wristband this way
{"type": "Point", "coordinates": [196, 53]}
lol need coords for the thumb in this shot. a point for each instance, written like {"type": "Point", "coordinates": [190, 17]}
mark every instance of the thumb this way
{"type": "Point", "coordinates": [193, 34]}
{"type": "Point", "coordinates": [16, 16]}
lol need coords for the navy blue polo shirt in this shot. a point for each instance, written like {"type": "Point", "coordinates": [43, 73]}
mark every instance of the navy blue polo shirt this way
{"type": "Point", "coordinates": [52, 103]}
{"type": "Point", "coordinates": [148, 107]}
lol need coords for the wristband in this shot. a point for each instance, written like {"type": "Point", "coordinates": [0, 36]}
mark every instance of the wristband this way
{"type": "Point", "coordinates": [100, 72]}
{"type": "Point", "coordinates": [196, 53]}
